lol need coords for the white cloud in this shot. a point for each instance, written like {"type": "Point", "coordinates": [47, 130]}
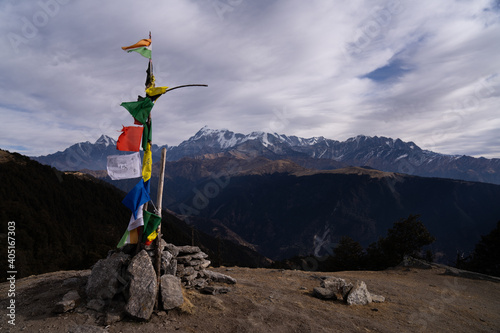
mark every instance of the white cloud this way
{"type": "Point", "coordinates": [293, 66]}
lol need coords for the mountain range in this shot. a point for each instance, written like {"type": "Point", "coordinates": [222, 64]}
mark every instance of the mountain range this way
{"type": "Point", "coordinates": [385, 154]}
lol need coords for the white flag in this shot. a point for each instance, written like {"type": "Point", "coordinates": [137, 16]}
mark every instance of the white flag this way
{"type": "Point", "coordinates": [134, 223]}
{"type": "Point", "coordinates": [124, 166]}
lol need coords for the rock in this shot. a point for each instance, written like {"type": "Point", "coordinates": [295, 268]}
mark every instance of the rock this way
{"type": "Point", "coordinates": [174, 250]}
{"type": "Point", "coordinates": [199, 283]}
{"type": "Point", "coordinates": [184, 259]}
{"type": "Point", "coordinates": [324, 293]}
{"type": "Point", "coordinates": [338, 285]}
{"type": "Point", "coordinates": [96, 305]}
{"type": "Point", "coordinates": [143, 287]}
{"type": "Point", "coordinates": [359, 294]}
{"type": "Point", "coordinates": [171, 292]}
{"type": "Point", "coordinates": [112, 317]}
{"type": "Point", "coordinates": [186, 249]}
{"type": "Point", "coordinates": [199, 255]}
{"type": "Point", "coordinates": [377, 298]}
{"type": "Point", "coordinates": [70, 282]}
{"type": "Point", "coordinates": [210, 290]}
{"type": "Point", "coordinates": [105, 280]}
{"type": "Point", "coordinates": [218, 277]}
{"type": "Point", "coordinates": [70, 301]}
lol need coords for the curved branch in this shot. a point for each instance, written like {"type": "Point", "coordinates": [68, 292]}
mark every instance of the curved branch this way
{"type": "Point", "coordinates": [187, 85]}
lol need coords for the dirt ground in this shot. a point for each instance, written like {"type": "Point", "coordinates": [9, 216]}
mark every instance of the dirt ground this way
{"type": "Point", "coordinates": [267, 300]}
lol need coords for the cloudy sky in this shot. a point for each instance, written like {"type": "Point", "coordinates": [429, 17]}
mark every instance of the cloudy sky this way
{"type": "Point", "coordinates": [422, 71]}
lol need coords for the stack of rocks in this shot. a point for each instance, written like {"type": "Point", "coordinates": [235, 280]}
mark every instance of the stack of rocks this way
{"type": "Point", "coordinates": [125, 283]}
{"type": "Point", "coordinates": [189, 264]}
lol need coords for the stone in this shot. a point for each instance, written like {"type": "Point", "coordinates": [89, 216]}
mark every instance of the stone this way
{"type": "Point", "coordinates": [170, 268]}
{"type": "Point", "coordinates": [70, 301]}
{"type": "Point", "coordinates": [338, 285]}
{"type": "Point", "coordinates": [143, 289]}
{"type": "Point", "coordinates": [171, 292]}
{"type": "Point", "coordinates": [105, 280]}
{"type": "Point", "coordinates": [184, 259]}
{"type": "Point", "coordinates": [324, 293]}
{"type": "Point", "coordinates": [218, 277]}
{"type": "Point", "coordinates": [377, 298]}
{"type": "Point", "coordinates": [199, 255]}
{"type": "Point", "coordinates": [199, 283]}
{"type": "Point", "coordinates": [96, 305]}
{"type": "Point", "coordinates": [186, 249]}
{"type": "Point", "coordinates": [211, 290]}
{"type": "Point", "coordinates": [113, 317]}
{"type": "Point", "coordinates": [172, 249]}
{"type": "Point", "coordinates": [359, 294]}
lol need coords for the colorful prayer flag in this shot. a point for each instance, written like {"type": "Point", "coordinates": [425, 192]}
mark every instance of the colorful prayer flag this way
{"type": "Point", "coordinates": [151, 223]}
{"type": "Point", "coordinates": [124, 166]}
{"type": "Point", "coordinates": [143, 47]}
{"type": "Point", "coordinates": [137, 196]}
{"type": "Point", "coordinates": [129, 237]}
{"type": "Point", "coordinates": [140, 110]}
{"type": "Point", "coordinates": [130, 139]}
{"type": "Point", "coordinates": [155, 92]}
{"type": "Point", "coordinates": [147, 136]}
{"type": "Point", "coordinates": [138, 221]}
{"type": "Point", "coordinates": [147, 163]}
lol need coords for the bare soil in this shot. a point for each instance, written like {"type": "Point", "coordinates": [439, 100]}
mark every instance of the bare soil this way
{"type": "Point", "coordinates": [267, 300]}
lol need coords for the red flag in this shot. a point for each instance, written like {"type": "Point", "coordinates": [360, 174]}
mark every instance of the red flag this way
{"type": "Point", "coordinates": [130, 139]}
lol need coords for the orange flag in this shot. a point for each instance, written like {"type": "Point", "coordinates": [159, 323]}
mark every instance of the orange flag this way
{"type": "Point", "coordinates": [130, 139]}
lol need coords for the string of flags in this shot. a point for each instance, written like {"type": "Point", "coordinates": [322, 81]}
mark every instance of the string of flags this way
{"type": "Point", "coordinates": [129, 166]}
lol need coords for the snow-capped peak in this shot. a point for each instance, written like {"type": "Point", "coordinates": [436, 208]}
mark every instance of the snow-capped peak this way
{"type": "Point", "coordinates": [105, 140]}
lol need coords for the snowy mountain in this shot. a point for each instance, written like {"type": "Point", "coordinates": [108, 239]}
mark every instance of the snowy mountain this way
{"type": "Point", "coordinates": [380, 153]}
{"type": "Point", "coordinates": [87, 155]}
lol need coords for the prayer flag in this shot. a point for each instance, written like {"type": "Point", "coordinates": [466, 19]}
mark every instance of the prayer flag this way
{"type": "Point", "coordinates": [138, 196]}
{"type": "Point", "coordinates": [155, 92]}
{"type": "Point", "coordinates": [140, 110]}
{"type": "Point", "coordinates": [124, 166]}
{"type": "Point", "coordinates": [151, 223]}
{"type": "Point", "coordinates": [130, 139]}
{"type": "Point", "coordinates": [147, 136]}
{"type": "Point", "coordinates": [147, 163]}
{"type": "Point", "coordinates": [136, 222]}
{"type": "Point", "coordinates": [143, 47]}
{"type": "Point", "coordinates": [129, 237]}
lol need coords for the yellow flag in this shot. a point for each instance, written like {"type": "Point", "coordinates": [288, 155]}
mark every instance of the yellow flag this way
{"type": "Point", "coordinates": [147, 163]}
{"type": "Point", "coordinates": [153, 91]}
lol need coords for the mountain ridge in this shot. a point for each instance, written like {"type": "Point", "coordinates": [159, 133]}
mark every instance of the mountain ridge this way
{"type": "Point", "coordinates": [382, 153]}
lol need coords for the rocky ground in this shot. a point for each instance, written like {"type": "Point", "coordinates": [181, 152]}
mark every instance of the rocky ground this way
{"type": "Point", "coordinates": [267, 300]}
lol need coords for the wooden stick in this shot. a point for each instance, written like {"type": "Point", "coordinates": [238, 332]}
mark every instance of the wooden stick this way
{"type": "Point", "coordinates": [159, 199]}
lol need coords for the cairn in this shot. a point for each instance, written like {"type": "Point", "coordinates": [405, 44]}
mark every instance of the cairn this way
{"type": "Point", "coordinates": [125, 283]}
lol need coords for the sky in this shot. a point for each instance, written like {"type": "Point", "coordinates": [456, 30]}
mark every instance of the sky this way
{"type": "Point", "coordinates": [422, 71]}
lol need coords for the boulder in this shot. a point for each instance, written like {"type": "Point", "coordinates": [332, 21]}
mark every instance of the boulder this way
{"type": "Point", "coordinates": [217, 277]}
{"type": "Point", "coordinates": [359, 294]}
{"type": "Point", "coordinates": [337, 285]}
{"type": "Point", "coordinates": [70, 301]}
{"type": "Point", "coordinates": [324, 293]}
{"type": "Point", "coordinates": [143, 288]}
{"type": "Point", "coordinates": [174, 250]}
{"type": "Point", "coordinates": [171, 292]}
{"type": "Point", "coordinates": [105, 280]}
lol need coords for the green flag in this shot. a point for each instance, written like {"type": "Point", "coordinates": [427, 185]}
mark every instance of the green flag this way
{"type": "Point", "coordinates": [151, 223]}
{"type": "Point", "coordinates": [140, 110]}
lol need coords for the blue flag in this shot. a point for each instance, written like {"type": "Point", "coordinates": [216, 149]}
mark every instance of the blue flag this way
{"type": "Point", "coordinates": [138, 196]}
